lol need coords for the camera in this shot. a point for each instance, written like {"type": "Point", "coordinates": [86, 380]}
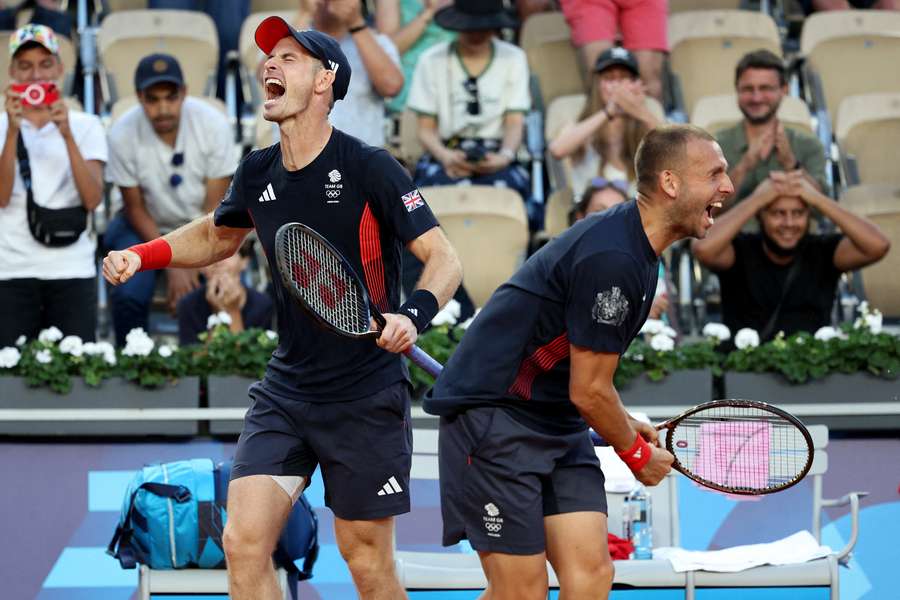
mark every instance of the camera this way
{"type": "Point", "coordinates": [41, 93]}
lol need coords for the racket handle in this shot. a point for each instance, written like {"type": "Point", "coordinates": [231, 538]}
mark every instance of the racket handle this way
{"type": "Point", "coordinates": [424, 361]}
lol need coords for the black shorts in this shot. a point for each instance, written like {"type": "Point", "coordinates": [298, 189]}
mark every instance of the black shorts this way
{"type": "Point", "coordinates": [500, 478]}
{"type": "Point", "coordinates": [363, 446]}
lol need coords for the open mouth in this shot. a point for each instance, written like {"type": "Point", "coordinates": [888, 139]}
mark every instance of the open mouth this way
{"type": "Point", "coordinates": [274, 88]}
{"type": "Point", "coordinates": [715, 206]}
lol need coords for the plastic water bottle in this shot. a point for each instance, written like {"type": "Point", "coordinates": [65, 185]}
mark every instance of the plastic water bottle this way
{"type": "Point", "coordinates": [638, 522]}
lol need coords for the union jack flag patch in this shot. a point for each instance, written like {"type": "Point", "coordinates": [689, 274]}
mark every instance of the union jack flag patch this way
{"type": "Point", "coordinates": [412, 200]}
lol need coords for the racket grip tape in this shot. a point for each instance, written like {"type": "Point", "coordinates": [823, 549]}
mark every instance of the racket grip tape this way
{"type": "Point", "coordinates": [638, 455]}
{"type": "Point", "coordinates": [155, 254]}
{"type": "Point", "coordinates": [424, 361]}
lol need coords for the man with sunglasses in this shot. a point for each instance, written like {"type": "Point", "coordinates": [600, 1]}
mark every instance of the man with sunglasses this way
{"type": "Point", "coordinates": [172, 157]}
{"type": "Point", "coordinates": [470, 96]}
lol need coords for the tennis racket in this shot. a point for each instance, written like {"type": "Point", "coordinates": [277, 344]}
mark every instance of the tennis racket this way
{"type": "Point", "coordinates": [327, 287]}
{"type": "Point", "coordinates": [738, 447]}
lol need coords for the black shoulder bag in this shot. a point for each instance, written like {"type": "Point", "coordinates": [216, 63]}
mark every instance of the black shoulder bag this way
{"type": "Point", "coordinates": [51, 227]}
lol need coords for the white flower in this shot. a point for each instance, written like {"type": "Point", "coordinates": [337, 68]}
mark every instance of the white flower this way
{"type": "Point", "coordinates": [718, 331]}
{"type": "Point", "coordinates": [165, 351]}
{"type": "Point", "coordinates": [669, 332]}
{"type": "Point", "coordinates": [863, 307]}
{"type": "Point", "coordinates": [71, 344]}
{"type": "Point", "coordinates": [137, 343]}
{"type": "Point", "coordinates": [746, 338]}
{"type": "Point", "coordinates": [662, 343]}
{"type": "Point", "coordinates": [20, 341]}
{"type": "Point", "coordinates": [448, 315]}
{"type": "Point", "coordinates": [110, 357]}
{"type": "Point", "coordinates": [44, 357]}
{"type": "Point", "coordinates": [652, 326]}
{"type": "Point", "coordinates": [224, 318]}
{"type": "Point", "coordinates": [9, 357]}
{"type": "Point", "coordinates": [271, 334]}
{"type": "Point", "coordinates": [826, 333]}
{"type": "Point", "coordinates": [212, 321]}
{"type": "Point", "coordinates": [873, 321]}
{"type": "Point", "coordinates": [50, 335]}
{"type": "Point", "coordinates": [97, 348]}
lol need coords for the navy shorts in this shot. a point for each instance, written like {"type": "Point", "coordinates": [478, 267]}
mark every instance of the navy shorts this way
{"type": "Point", "coordinates": [364, 448]}
{"type": "Point", "coordinates": [500, 478]}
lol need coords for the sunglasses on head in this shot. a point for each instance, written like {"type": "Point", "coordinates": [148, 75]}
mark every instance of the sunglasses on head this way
{"type": "Point", "coordinates": [473, 106]}
{"type": "Point", "coordinates": [602, 182]}
{"type": "Point", "coordinates": [177, 160]}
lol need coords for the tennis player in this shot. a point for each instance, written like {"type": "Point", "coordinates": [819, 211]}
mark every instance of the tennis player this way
{"type": "Point", "coordinates": [337, 402]}
{"type": "Point", "coordinates": [518, 473]}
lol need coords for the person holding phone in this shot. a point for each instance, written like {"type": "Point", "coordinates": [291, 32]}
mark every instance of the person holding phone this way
{"type": "Point", "coordinates": [44, 280]}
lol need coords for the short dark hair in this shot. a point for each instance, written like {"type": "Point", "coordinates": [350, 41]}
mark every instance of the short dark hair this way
{"type": "Point", "coordinates": [663, 147]}
{"type": "Point", "coordinates": [760, 59]}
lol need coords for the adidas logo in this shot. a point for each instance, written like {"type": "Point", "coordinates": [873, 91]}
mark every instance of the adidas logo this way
{"type": "Point", "coordinates": [391, 487]}
{"type": "Point", "coordinates": [334, 66]}
{"type": "Point", "coordinates": [413, 311]}
{"type": "Point", "coordinates": [268, 194]}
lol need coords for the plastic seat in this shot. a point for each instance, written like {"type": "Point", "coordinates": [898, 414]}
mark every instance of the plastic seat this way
{"type": "Point", "coordinates": [488, 227]}
{"type": "Point", "coordinates": [868, 129]}
{"type": "Point", "coordinates": [126, 37]}
{"type": "Point", "coordinates": [119, 5]}
{"type": "Point", "coordinates": [677, 6]}
{"type": "Point", "coordinates": [707, 45]}
{"type": "Point", "coordinates": [547, 42]}
{"type": "Point", "coordinates": [714, 113]}
{"type": "Point", "coordinates": [272, 5]}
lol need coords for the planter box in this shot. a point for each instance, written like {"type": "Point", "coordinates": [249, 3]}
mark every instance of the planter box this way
{"type": "Point", "coordinates": [113, 393]}
{"type": "Point", "coordinates": [227, 391]}
{"type": "Point", "coordinates": [681, 388]}
{"type": "Point", "coordinates": [858, 401]}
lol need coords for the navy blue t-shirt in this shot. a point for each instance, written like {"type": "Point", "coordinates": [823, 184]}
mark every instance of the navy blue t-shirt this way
{"type": "Point", "coordinates": [592, 287]}
{"type": "Point", "coordinates": [194, 311]}
{"type": "Point", "coordinates": [363, 202]}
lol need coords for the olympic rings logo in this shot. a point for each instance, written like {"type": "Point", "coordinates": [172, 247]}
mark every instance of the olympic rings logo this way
{"type": "Point", "coordinates": [332, 193]}
{"type": "Point", "coordinates": [493, 527]}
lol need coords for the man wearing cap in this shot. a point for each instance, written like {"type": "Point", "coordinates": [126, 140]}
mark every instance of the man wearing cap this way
{"type": "Point", "coordinates": [42, 285]}
{"type": "Point", "coordinates": [325, 400]}
{"type": "Point", "coordinates": [172, 157]}
{"type": "Point", "coordinates": [471, 96]}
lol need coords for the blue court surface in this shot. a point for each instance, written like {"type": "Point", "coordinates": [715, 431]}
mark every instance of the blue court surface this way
{"type": "Point", "coordinates": [60, 503]}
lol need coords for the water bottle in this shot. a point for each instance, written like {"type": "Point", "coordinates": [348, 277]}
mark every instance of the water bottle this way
{"type": "Point", "coordinates": [638, 523]}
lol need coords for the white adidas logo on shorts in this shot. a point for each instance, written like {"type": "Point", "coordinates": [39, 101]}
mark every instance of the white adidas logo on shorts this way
{"type": "Point", "coordinates": [391, 487]}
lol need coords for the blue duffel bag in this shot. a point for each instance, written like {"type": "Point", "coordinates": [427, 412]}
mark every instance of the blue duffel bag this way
{"type": "Point", "coordinates": [173, 516]}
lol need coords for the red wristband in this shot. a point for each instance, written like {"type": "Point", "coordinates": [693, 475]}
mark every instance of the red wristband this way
{"type": "Point", "coordinates": [638, 455]}
{"type": "Point", "coordinates": [155, 254]}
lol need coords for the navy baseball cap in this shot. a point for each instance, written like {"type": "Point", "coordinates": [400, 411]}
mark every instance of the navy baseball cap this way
{"type": "Point", "coordinates": [617, 56]}
{"type": "Point", "coordinates": [320, 45]}
{"type": "Point", "coordinates": [157, 68]}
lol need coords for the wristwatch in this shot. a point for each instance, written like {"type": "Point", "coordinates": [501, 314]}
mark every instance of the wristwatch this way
{"type": "Point", "coordinates": [510, 155]}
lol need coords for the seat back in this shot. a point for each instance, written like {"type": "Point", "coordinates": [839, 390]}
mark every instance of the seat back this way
{"type": "Point", "coordinates": [707, 45]}
{"type": "Point", "coordinates": [677, 6]}
{"type": "Point", "coordinates": [117, 5]}
{"type": "Point", "coordinates": [880, 203]}
{"type": "Point", "coordinates": [868, 127]}
{"type": "Point", "coordinates": [714, 113]}
{"type": "Point", "coordinates": [66, 54]}
{"type": "Point", "coordinates": [126, 37]}
{"type": "Point", "coordinates": [853, 52]}
{"type": "Point", "coordinates": [409, 148]}
{"type": "Point", "coordinates": [547, 42]}
{"type": "Point", "coordinates": [556, 216]}
{"type": "Point", "coordinates": [488, 227]}
{"type": "Point", "coordinates": [272, 5]}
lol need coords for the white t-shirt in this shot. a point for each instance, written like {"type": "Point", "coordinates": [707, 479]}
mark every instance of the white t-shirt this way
{"type": "Point", "coordinates": [438, 89]}
{"type": "Point", "coordinates": [361, 112]}
{"type": "Point", "coordinates": [139, 158]}
{"type": "Point", "coordinates": [21, 256]}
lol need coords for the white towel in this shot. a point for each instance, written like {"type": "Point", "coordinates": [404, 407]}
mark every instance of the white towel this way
{"type": "Point", "coordinates": [797, 548]}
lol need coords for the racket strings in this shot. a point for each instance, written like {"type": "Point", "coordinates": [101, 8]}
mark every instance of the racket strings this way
{"type": "Point", "coordinates": [322, 281]}
{"type": "Point", "coordinates": [742, 449]}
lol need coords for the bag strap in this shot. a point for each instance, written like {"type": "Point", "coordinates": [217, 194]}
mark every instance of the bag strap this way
{"type": "Point", "coordinates": [24, 169]}
{"type": "Point", "coordinates": [788, 281]}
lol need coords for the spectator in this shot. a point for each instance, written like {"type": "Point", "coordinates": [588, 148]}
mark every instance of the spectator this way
{"type": "Point", "coordinates": [610, 127]}
{"type": "Point", "coordinates": [224, 291]}
{"type": "Point", "coordinates": [43, 12]}
{"type": "Point", "coordinates": [811, 6]}
{"type": "Point", "coordinates": [760, 143]}
{"type": "Point", "coordinates": [783, 277]}
{"type": "Point", "coordinates": [374, 63]}
{"type": "Point", "coordinates": [471, 96]}
{"type": "Point", "coordinates": [603, 194]}
{"type": "Point", "coordinates": [411, 26]}
{"type": "Point", "coordinates": [43, 285]}
{"type": "Point", "coordinates": [643, 23]}
{"type": "Point", "coordinates": [172, 157]}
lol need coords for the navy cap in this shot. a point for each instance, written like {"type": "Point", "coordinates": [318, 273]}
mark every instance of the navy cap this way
{"type": "Point", "coordinates": [157, 68]}
{"type": "Point", "coordinates": [617, 56]}
{"type": "Point", "coordinates": [320, 45]}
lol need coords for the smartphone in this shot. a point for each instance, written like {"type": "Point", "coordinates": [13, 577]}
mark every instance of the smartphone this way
{"type": "Point", "coordinates": [39, 93]}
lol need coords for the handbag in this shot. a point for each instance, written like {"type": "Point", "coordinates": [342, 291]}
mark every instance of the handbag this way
{"type": "Point", "coordinates": [54, 227]}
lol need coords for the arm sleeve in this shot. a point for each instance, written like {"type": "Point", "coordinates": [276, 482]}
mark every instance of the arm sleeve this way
{"type": "Point", "coordinates": [604, 302]}
{"type": "Point", "coordinates": [518, 97]}
{"type": "Point", "coordinates": [422, 93]}
{"type": "Point", "coordinates": [223, 156]}
{"type": "Point", "coordinates": [397, 202]}
{"type": "Point", "coordinates": [232, 211]}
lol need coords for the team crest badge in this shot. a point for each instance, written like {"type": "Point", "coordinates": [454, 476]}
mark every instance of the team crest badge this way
{"type": "Point", "coordinates": [610, 307]}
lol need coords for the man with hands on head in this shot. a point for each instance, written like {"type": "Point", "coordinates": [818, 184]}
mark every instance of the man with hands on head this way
{"type": "Point", "coordinates": [783, 278]}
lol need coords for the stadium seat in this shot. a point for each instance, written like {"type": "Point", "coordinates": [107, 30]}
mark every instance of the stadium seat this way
{"type": "Point", "coordinates": [851, 52]}
{"type": "Point", "coordinates": [547, 42]}
{"type": "Point", "coordinates": [677, 6]}
{"type": "Point", "coordinates": [868, 131]}
{"type": "Point", "coordinates": [119, 5]}
{"type": "Point", "coordinates": [409, 149]}
{"type": "Point", "coordinates": [156, 582]}
{"type": "Point", "coordinates": [880, 203]}
{"type": "Point", "coordinates": [122, 106]}
{"type": "Point", "coordinates": [66, 53]}
{"type": "Point", "coordinates": [556, 217]}
{"type": "Point", "coordinates": [488, 227]}
{"type": "Point", "coordinates": [272, 5]}
{"type": "Point", "coordinates": [127, 36]}
{"type": "Point", "coordinates": [714, 113]}
{"type": "Point", "coordinates": [706, 45]}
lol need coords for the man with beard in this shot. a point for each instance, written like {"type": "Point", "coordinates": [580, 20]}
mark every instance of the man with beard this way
{"type": "Point", "coordinates": [760, 143]}
{"type": "Point", "coordinates": [172, 157]}
{"type": "Point", "coordinates": [783, 278]}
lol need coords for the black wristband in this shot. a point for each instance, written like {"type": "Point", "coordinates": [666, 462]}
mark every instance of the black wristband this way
{"type": "Point", "coordinates": [420, 307]}
{"type": "Point", "coordinates": [358, 28]}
